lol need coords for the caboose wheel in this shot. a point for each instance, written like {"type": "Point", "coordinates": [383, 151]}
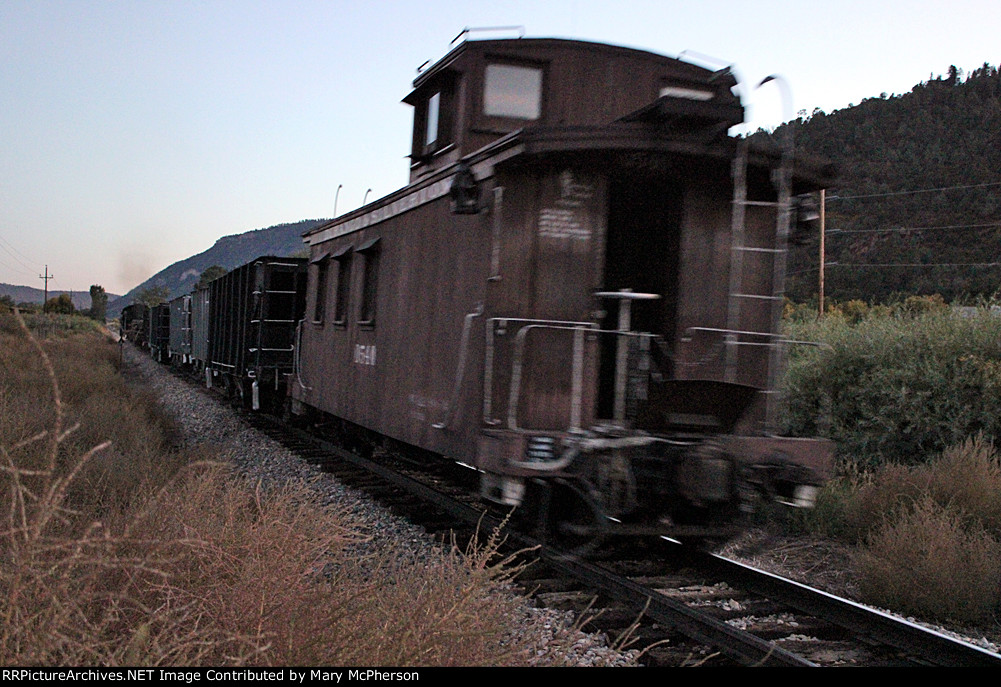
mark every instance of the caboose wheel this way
{"type": "Point", "coordinates": [570, 520]}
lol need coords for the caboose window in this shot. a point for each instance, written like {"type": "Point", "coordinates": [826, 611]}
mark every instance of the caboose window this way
{"type": "Point", "coordinates": [434, 105]}
{"type": "Point", "coordinates": [320, 303]}
{"type": "Point", "coordinates": [343, 287]}
{"type": "Point", "coordinates": [370, 280]}
{"type": "Point", "coordinates": [431, 135]}
{"type": "Point", "coordinates": [513, 91]}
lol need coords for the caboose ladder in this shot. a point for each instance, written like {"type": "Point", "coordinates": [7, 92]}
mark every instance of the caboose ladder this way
{"type": "Point", "coordinates": [737, 297]}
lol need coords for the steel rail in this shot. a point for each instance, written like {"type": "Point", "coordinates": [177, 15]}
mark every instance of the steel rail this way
{"type": "Point", "coordinates": [736, 644]}
{"type": "Point", "coordinates": [860, 620]}
{"type": "Point", "coordinates": [741, 646]}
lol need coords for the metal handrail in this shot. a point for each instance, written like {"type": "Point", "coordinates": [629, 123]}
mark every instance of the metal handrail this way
{"type": "Point", "coordinates": [460, 369]}
{"type": "Point", "coordinates": [488, 365]}
{"type": "Point", "coordinates": [577, 368]}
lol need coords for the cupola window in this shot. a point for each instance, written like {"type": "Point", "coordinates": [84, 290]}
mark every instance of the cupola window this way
{"type": "Point", "coordinates": [513, 91]}
{"type": "Point", "coordinates": [431, 135]}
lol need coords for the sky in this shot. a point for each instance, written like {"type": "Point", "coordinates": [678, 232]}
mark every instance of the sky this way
{"type": "Point", "coordinates": [135, 133]}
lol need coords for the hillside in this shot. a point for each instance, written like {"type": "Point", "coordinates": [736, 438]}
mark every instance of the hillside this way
{"type": "Point", "coordinates": [918, 208]}
{"type": "Point", "coordinates": [28, 294]}
{"type": "Point", "coordinates": [229, 252]}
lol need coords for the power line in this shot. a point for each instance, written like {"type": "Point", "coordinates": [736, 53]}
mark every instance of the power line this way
{"type": "Point", "coordinates": [920, 190]}
{"type": "Point", "coordinates": [808, 270]}
{"type": "Point", "coordinates": [11, 251]}
{"type": "Point", "coordinates": [912, 264]}
{"type": "Point", "coordinates": [12, 247]}
{"type": "Point", "coordinates": [16, 270]}
{"type": "Point", "coordinates": [835, 232]}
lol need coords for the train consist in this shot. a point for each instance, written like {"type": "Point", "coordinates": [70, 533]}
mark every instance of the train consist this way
{"type": "Point", "coordinates": [577, 294]}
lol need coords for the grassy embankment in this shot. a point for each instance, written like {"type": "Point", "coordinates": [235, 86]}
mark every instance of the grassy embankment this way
{"type": "Point", "coordinates": [120, 548]}
{"type": "Point", "coordinates": [912, 396]}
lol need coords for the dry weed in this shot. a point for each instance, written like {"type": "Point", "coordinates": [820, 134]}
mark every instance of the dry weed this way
{"type": "Point", "coordinates": [115, 554]}
{"type": "Point", "coordinates": [929, 562]}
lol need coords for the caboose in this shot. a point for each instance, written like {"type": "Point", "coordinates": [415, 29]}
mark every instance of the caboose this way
{"type": "Point", "coordinates": [578, 293]}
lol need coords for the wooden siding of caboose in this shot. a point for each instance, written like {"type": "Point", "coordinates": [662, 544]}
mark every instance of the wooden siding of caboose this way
{"type": "Point", "coordinates": [704, 286]}
{"type": "Point", "coordinates": [671, 236]}
{"type": "Point", "coordinates": [397, 375]}
{"type": "Point", "coordinates": [549, 251]}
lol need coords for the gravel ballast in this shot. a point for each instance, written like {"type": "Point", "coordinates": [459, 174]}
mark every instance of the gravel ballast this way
{"type": "Point", "coordinates": [202, 419]}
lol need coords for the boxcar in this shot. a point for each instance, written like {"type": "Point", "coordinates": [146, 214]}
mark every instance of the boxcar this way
{"type": "Point", "coordinates": [254, 310]}
{"type": "Point", "coordinates": [577, 293]}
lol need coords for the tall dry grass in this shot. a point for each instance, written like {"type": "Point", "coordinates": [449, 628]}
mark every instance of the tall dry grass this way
{"type": "Point", "coordinates": [930, 561]}
{"type": "Point", "coordinates": [118, 549]}
{"type": "Point", "coordinates": [928, 536]}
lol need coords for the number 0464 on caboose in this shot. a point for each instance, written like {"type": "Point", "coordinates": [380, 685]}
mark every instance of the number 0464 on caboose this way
{"type": "Point", "coordinates": [578, 293]}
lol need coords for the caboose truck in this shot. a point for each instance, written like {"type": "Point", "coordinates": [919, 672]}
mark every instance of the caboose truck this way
{"type": "Point", "coordinates": [576, 293]}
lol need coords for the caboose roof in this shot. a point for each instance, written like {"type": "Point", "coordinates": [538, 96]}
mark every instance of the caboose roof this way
{"type": "Point", "coordinates": [597, 102]}
{"type": "Point", "coordinates": [527, 46]}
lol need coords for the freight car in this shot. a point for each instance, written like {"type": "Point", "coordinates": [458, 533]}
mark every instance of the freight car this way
{"type": "Point", "coordinates": [249, 331]}
{"type": "Point", "coordinates": [180, 330]}
{"type": "Point", "coordinates": [577, 294]}
{"type": "Point", "coordinates": [159, 332]}
{"type": "Point", "coordinates": [199, 321]}
{"type": "Point", "coordinates": [135, 324]}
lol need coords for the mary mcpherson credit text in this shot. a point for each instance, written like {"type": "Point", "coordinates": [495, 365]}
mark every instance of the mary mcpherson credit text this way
{"type": "Point", "coordinates": [208, 675]}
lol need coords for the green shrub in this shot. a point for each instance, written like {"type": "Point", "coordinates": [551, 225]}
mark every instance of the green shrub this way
{"type": "Point", "coordinates": [916, 305]}
{"type": "Point", "coordinates": [965, 480]}
{"type": "Point", "coordinates": [896, 388]}
{"type": "Point", "coordinates": [854, 311]}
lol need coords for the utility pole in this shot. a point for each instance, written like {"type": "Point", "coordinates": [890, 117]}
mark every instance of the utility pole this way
{"type": "Point", "coordinates": [820, 286]}
{"type": "Point", "coordinates": [47, 277]}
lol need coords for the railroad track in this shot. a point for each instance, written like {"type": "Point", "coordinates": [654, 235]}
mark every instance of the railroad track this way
{"type": "Point", "coordinates": [682, 607]}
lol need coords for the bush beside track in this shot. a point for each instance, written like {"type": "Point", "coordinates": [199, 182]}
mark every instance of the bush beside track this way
{"type": "Point", "coordinates": [911, 394]}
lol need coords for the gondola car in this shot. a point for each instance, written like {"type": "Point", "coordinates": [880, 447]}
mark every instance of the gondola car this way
{"type": "Point", "coordinates": [253, 312]}
{"type": "Point", "coordinates": [578, 293]}
{"type": "Point", "coordinates": [180, 330]}
{"type": "Point", "coordinates": [199, 320]}
{"type": "Point", "coordinates": [159, 332]}
{"type": "Point", "coordinates": [135, 324]}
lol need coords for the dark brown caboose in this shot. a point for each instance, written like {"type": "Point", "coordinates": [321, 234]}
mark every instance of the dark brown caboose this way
{"type": "Point", "coordinates": [577, 293]}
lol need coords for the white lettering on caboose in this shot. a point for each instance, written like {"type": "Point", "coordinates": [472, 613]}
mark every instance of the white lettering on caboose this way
{"type": "Point", "coordinates": [364, 355]}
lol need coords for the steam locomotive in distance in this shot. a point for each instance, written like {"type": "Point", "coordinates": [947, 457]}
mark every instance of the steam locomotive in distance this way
{"type": "Point", "coordinates": [578, 294]}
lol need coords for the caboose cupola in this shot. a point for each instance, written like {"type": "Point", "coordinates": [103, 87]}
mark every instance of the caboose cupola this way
{"type": "Point", "coordinates": [485, 90]}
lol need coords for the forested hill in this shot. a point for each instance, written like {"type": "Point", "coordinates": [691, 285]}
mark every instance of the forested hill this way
{"type": "Point", "coordinates": [228, 252]}
{"type": "Point", "coordinates": [918, 205]}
